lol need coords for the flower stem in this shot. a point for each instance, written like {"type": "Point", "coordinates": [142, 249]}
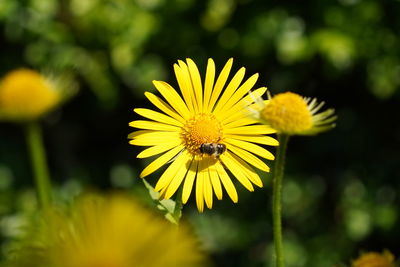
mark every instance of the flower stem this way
{"type": "Point", "coordinates": [39, 163]}
{"type": "Point", "coordinates": [277, 199]}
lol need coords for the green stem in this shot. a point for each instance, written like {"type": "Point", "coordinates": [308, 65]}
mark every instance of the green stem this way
{"type": "Point", "coordinates": [39, 163]}
{"type": "Point", "coordinates": [277, 199]}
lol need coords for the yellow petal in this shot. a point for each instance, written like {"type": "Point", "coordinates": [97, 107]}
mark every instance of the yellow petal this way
{"type": "Point", "coordinates": [223, 76]}
{"type": "Point", "coordinates": [264, 140]}
{"type": "Point", "coordinates": [216, 183]}
{"type": "Point", "coordinates": [230, 89]}
{"type": "Point", "coordinates": [256, 149]}
{"type": "Point", "coordinates": [188, 84]}
{"type": "Point", "coordinates": [248, 157]}
{"type": "Point", "coordinates": [158, 149]}
{"type": "Point", "coordinates": [151, 125]}
{"type": "Point", "coordinates": [236, 171]}
{"type": "Point", "coordinates": [170, 172]}
{"type": "Point", "coordinates": [160, 161]}
{"type": "Point", "coordinates": [172, 98]}
{"type": "Point", "coordinates": [226, 117]}
{"type": "Point", "coordinates": [250, 130]}
{"type": "Point", "coordinates": [243, 89]}
{"type": "Point", "coordinates": [240, 122]}
{"type": "Point", "coordinates": [167, 109]}
{"type": "Point", "coordinates": [227, 182]}
{"type": "Point", "coordinates": [247, 170]}
{"type": "Point", "coordinates": [209, 83]}
{"type": "Point", "coordinates": [157, 116]}
{"type": "Point", "coordinates": [196, 81]}
{"type": "Point", "coordinates": [185, 85]}
{"type": "Point", "coordinates": [155, 136]}
{"type": "Point", "coordinates": [199, 192]}
{"type": "Point", "coordinates": [178, 177]}
{"type": "Point", "coordinates": [189, 180]}
{"type": "Point", "coordinates": [208, 192]}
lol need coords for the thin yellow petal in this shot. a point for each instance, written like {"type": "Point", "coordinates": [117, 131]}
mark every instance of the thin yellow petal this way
{"type": "Point", "coordinates": [157, 116]}
{"type": "Point", "coordinates": [230, 89]}
{"type": "Point", "coordinates": [236, 171]}
{"type": "Point", "coordinates": [151, 125]}
{"type": "Point", "coordinates": [196, 82]}
{"type": "Point", "coordinates": [171, 171]}
{"type": "Point", "coordinates": [167, 109]}
{"type": "Point", "coordinates": [173, 98]}
{"type": "Point", "coordinates": [185, 86]}
{"type": "Point", "coordinates": [216, 183]}
{"type": "Point", "coordinates": [253, 148]}
{"type": "Point", "coordinates": [178, 177]}
{"type": "Point", "coordinates": [199, 191]}
{"type": "Point", "coordinates": [219, 85]}
{"type": "Point", "coordinates": [227, 182]}
{"type": "Point", "coordinates": [156, 136]}
{"type": "Point", "coordinates": [264, 140]}
{"type": "Point", "coordinates": [248, 157]}
{"type": "Point", "coordinates": [240, 122]}
{"type": "Point", "coordinates": [209, 83]}
{"type": "Point", "coordinates": [189, 85]}
{"type": "Point", "coordinates": [226, 117]}
{"type": "Point", "coordinates": [243, 89]}
{"type": "Point", "coordinates": [250, 130]}
{"type": "Point", "coordinates": [160, 161]}
{"type": "Point", "coordinates": [247, 170]}
{"type": "Point", "coordinates": [208, 192]}
{"type": "Point", "coordinates": [158, 149]}
{"type": "Point", "coordinates": [189, 180]}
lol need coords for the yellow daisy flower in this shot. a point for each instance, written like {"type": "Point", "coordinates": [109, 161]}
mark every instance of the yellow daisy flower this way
{"type": "Point", "coordinates": [113, 231]}
{"type": "Point", "coordinates": [374, 259]}
{"type": "Point", "coordinates": [204, 132]}
{"type": "Point", "coordinates": [291, 114]}
{"type": "Point", "coordinates": [26, 95]}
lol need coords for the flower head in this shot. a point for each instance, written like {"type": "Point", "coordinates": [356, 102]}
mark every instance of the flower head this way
{"type": "Point", "coordinates": [113, 231]}
{"type": "Point", "coordinates": [292, 114]}
{"type": "Point", "coordinates": [204, 132]}
{"type": "Point", "coordinates": [26, 95]}
{"type": "Point", "coordinates": [374, 259]}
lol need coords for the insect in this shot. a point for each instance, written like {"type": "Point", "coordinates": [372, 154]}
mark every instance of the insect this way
{"type": "Point", "coordinates": [212, 149]}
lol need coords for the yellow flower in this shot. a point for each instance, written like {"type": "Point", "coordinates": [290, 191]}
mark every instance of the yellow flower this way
{"type": "Point", "coordinates": [111, 231]}
{"type": "Point", "coordinates": [26, 95]}
{"type": "Point", "coordinates": [292, 114]}
{"type": "Point", "coordinates": [374, 259]}
{"type": "Point", "coordinates": [204, 133]}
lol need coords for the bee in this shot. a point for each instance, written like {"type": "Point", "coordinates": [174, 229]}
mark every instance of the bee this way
{"type": "Point", "coordinates": [212, 149]}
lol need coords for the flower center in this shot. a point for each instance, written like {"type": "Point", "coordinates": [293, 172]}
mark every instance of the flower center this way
{"type": "Point", "coordinates": [288, 113]}
{"type": "Point", "coordinates": [200, 129]}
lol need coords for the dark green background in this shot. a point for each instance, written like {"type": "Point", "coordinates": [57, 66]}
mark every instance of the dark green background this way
{"type": "Point", "coordinates": [341, 191]}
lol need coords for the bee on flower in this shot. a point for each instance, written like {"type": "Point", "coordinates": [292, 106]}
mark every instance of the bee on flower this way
{"type": "Point", "coordinates": [205, 132]}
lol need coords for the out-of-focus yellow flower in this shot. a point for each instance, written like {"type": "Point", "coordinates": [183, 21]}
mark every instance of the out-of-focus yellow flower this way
{"type": "Point", "coordinates": [110, 231]}
{"type": "Point", "coordinates": [289, 113]}
{"type": "Point", "coordinates": [26, 95]}
{"type": "Point", "coordinates": [374, 259]}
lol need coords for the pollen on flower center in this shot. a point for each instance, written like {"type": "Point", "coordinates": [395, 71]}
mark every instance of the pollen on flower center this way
{"type": "Point", "coordinates": [288, 113]}
{"type": "Point", "coordinates": [200, 129]}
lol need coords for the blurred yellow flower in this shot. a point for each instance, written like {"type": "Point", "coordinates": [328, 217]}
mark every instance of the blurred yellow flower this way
{"type": "Point", "coordinates": [291, 114]}
{"type": "Point", "coordinates": [204, 132]}
{"type": "Point", "coordinates": [112, 231]}
{"type": "Point", "coordinates": [26, 95]}
{"type": "Point", "coordinates": [374, 259]}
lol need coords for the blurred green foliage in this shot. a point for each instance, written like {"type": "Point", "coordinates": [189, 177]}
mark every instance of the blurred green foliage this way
{"type": "Point", "coordinates": [341, 191]}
